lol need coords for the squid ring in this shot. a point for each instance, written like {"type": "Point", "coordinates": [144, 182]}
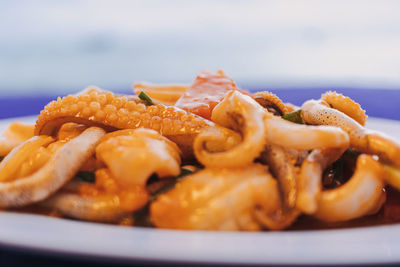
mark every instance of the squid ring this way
{"type": "Point", "coordinates": [303, 137]}
{"type": "Point", "coordinates": [309, 182]}
{"type": "Point", "coordinates": [236, 110]}
{"type": "Point", "coordinates": [260, 127]}
{"type": "Point", "coordinates": [361, 195]}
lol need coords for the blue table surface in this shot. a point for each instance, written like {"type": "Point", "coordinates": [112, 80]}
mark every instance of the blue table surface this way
{"type": "Point", "coordinates": [382, 103]}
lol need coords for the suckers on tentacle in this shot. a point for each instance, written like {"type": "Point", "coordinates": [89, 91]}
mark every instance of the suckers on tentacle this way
{"type": "Point", "coordinates": [95, 107]}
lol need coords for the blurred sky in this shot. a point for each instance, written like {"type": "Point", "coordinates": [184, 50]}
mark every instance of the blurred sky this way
{"type": "Point", "coordinates": [63, 46]}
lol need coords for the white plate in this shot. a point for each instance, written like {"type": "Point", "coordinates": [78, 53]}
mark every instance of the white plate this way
{"type": "Point", "coordinates": [378, 244]}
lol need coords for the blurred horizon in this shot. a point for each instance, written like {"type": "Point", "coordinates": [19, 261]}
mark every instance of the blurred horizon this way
{"type": "Point", "coordinates": [58, 47]}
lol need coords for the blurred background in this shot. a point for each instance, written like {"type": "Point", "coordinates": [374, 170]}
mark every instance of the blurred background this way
{"type": "Point", "coordinates": [57, 47]}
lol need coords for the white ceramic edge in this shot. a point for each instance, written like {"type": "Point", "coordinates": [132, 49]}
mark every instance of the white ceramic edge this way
{"type": "Point", "coordinates": [379, 244]}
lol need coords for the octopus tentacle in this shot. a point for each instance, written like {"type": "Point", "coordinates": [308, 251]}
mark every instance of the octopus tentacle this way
{"type": "Point", "coordinates": [363, 194]}
{"type": "Point", "coordinates": [53, 175]}
{"type": "Point", "coordinates": [291, 107]}
{"type": "Point", "coordinates": [118, 112]}
{"type": "Point", "coordinates": [238, 112]}
{"type": "Point", "coordinates": [361, 139]}
{"type": "Point", "coordinates": [95, 107]}
{"type": "Point", "coordinates": [345, 105]}
{"type": "Point", "coordinates": [271, 102]}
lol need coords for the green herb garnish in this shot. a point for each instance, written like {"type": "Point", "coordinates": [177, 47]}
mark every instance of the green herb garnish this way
{"type": "Point", "coordinates": [146, 98]}
{"type": "Point", "coordinates": [294, 116]}
{"type": "Point", "coordinates": [87, 177]}
{"type": "Point", "coordinates": [1, 158]}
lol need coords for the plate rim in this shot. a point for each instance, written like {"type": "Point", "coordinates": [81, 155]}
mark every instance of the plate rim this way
{"type": "Point", "coordinates": [389, 233]}
{"type": "Point", "coordinates": [287, 237]}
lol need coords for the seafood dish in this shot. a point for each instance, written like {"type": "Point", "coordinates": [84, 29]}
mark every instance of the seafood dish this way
{"type": "Point", "coordinates": [203, 156]}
